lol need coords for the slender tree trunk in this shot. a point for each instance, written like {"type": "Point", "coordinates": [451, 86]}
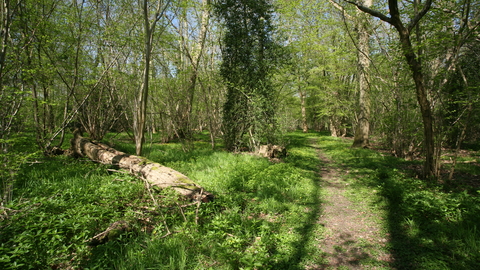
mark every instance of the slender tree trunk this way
{"type": "Point", "coordinates": [334, 132]}
{"type": "Point", "coordinates": [362, 130]}
{"type": "Point", "coordinates": [422, 98]}
{"type": "Point", "coordinates": [141, 101]}
{"type": "Point", "coordinates": [6, 15]}
{"type": "Point", "coordinates": [395, 19]}
{"type": "Point", "coordinates": [139, 116]}
{"type": "Point", "coordinates": [194, 56]}
{"type": "Point", "coordinates": [304, 110]}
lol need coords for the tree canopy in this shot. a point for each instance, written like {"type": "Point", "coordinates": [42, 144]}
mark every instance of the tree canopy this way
{"type": "Point", "coordinates": [195, 89]}
{"type": "Point", "coordinates": [245, 71]}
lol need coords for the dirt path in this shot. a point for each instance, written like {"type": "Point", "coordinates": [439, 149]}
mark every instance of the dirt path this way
{"type": "Point", "coordinates": [352, 239]}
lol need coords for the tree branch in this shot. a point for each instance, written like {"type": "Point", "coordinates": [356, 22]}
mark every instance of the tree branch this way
{"type": "Point", "coordinates": [340, 8]}
{"type": "Point", "coordinates": [420, 15]}
{"type": "Point", "coordinates": [372, 12]}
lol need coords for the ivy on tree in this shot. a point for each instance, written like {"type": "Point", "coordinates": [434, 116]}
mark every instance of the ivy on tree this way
{"type": "Point", "coordinates": [250, 56]}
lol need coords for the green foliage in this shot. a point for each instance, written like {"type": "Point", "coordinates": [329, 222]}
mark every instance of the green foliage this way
{"type": "Point", "coordinates": [264, 215]}
{"type": "Point", "coordinates": [250, 57]}
{"type": "Point", "coordinates": [462, 93]}
{"type": "Point", "coordinates": [55, 211]}
{"type": "Point", "coordinates": [323, 67]}
{"type": "Point", "coordinates": [13, 155]}
{"type": "Point", "coordinates": [430, 225]}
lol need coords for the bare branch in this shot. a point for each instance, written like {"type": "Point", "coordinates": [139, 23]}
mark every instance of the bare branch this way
{"type": "Point", "coordinates": [372, 12]}
{"type": "Point", "coordinates": [337, 6]}
{"type": "Point", "coordinates": [420, 15]}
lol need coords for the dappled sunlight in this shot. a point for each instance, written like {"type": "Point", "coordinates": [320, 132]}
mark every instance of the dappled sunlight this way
{"type": "Point", "coordinates": [428, 228]}
{"type": "Point", "coordinates": [265, 215]}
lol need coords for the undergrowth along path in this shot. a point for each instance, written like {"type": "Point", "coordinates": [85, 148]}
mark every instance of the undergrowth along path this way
{"type": "Point", "coordinates": [354, 238]}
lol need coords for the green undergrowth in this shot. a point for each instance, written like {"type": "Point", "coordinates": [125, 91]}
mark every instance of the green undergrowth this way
{"type": "Point", "coordinates": [263, 215]}
{"type": "Point", "coordinates": [430, 225]}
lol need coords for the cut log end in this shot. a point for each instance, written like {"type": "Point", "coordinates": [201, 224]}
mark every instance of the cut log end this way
{"type": "Point", "coordinates": [271, 151]}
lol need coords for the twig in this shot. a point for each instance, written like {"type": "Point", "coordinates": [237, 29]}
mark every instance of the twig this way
{"type": "Point", "coordinates": [166, 227]}
{"type": "Point", "coordinates": [147, 184]}
{"type": "Point", "coordinates": [181, 211]}
{"type": "Point", "coordinates": [199, 202]}
{"type": "Point", "coordinates": [34, 162]}
{"type": "Point", "coordinates": [167, 234]}
{"type": "Point", "coordinates": [103, 236]}
{"type": "Point", "coordinates": [5, 215]}
{"type": "Point", "coordinates": [187, 205]}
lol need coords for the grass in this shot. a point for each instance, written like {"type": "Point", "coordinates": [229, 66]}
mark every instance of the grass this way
{"type": "Point", "coordinates": [264, 215]}
{"type": "Point", "coordinates": [431, 226]}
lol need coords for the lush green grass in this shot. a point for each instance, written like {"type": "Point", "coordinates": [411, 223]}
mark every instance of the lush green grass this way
{"type": "Point", "coordinates": [264, 215]}
{"type": "Point", "coordinates": [430, 225]}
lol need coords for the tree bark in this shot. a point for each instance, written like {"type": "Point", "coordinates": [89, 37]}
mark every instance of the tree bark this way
{"type": "Point", "coordinates": [404, 32]}
{"type": "Point", "coordinates": [362, 130]}
{"type": "Point", "coordinates": [304, 109]}
{"type": "Point", "coordinates": [139, 116]}
{"type": "Point", "coordinates": [425, 109]}
{"type": "Point", "coordinates": [154, 173]}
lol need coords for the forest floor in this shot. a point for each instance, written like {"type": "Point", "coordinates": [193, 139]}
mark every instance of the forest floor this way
{"type": "Point", "coordinates": [352, 233]}
{"type": "Point", "coordinates": [325, 206]}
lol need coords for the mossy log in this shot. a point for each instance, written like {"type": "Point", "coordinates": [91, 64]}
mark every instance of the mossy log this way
{"type": "Point", "coordinates": [154, 173]}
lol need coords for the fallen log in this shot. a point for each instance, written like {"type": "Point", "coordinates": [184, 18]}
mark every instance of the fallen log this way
{"type": "Point", "coordinates": [154, 173]}
{"type": "Point", "coordinates": [271, 151]}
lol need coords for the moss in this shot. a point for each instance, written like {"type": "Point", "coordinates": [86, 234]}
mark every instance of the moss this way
{"type": "Point", "coordinates": [183, 179]}
{"type": "Point", "coordinates": [113, 234]}
{"type": "Point", "coordinates": [190, 187]}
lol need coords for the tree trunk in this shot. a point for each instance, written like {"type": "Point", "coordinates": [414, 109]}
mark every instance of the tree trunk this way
{"type": "Point", "coordinates": [418, 77]}
{"type": "Point", "coordinates": [395, 19]}
{"type": "Point", "coordinates": [334, 132]}
{"type": "Point", "coordinates": [304, 110]}
{"type": "Point", "coordinates": [363, 126]}
{"type": "Point", "coordinates": [154, 173]}
{"type": "Point", "coordinates": [141, 99]}
{"type": "Point", "coordinates": [139, 116]}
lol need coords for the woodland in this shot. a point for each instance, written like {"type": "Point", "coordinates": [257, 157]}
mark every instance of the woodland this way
{"type": "Point", "coordinates": [95, 92]}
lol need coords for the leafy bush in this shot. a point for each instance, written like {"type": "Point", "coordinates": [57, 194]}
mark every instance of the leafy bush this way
{"type": "Point", "coordinates": [13, 154]}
